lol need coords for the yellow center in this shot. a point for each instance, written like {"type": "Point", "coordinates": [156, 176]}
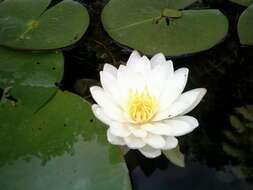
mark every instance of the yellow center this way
{"type": "Point", "coordinates": [141, 106]}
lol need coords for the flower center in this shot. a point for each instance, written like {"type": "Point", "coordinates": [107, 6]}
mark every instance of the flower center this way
{"type": "Point", "coordinates": [141, 106]}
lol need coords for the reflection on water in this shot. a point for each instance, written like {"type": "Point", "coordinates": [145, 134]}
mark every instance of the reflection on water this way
{"type": "Point", "coordinates": [66, 171]}
{"type": "Point", "coordinates": [195, 176]}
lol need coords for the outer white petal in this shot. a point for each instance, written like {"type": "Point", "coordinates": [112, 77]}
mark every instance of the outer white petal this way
{"type": "Point", "coordinates": [150, 152]}
{"type": "Point", "coordinates": [99, 113]}
{"type": "Point", "coordinates": [110, 69]}
{"type": "Point", "coordinates": [157, 59]}
{"type": "Point", "coordinates": [186, 102]}
{"type": "Point", "coordinates": [110, 85]}
{"type": "Point", "coordinates": [119, 129]}
{"type": "Point", "coordinates": [134, 57]}
{"type": "Point", "coordinates": [138, 132]}
{"type": "Point", "coordinates": [177, 126]}
{"type": "Point", "coordinates": [114, 139]}
{"type": "Point", "coordinates": [105, 101]}
{"type": "Point", "coordinates": [134, 142]}
{"type": "Point", "coordinates": [171, 142]}
{"type": "Point", "coordinates": [155, 141]}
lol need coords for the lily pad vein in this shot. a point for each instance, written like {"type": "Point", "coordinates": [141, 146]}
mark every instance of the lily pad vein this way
{"type": "Point", "coordinates": [135, 24]}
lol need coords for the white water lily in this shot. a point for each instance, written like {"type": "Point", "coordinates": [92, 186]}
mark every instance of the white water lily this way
{"type": "Point", "coordinates": [143, 104]}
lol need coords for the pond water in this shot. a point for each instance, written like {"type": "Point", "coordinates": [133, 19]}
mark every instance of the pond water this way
{"type": "Point", "coordinates": [226, 71]}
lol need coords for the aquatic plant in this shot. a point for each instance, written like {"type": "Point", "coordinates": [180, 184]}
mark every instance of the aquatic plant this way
{"type": "Point", "coordinates": [32, 25]}
{"type": "Point", "coordinates": [143, 112]}
{"type": "Point", "coordinates": [167, 26]}
{"type": "Point", "coordinates": [239, 138]}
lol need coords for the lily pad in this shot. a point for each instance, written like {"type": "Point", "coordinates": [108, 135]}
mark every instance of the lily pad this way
{"type": "Point", "coordinates": [62, 146]}
{"type": "Point", "coordinates": [29, 78]}
{"type": "Point", "coordinates": [142, 25]}
{"type": "Point", "coordinates": [245, 26]}
{"type": "Point", "coordinates": [28, 24]}
{"type": "Point", "coordinates": [243, 2]}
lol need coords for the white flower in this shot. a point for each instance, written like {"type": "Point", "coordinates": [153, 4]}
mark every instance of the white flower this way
{"type": "Point", "coordinates": [143, 104]}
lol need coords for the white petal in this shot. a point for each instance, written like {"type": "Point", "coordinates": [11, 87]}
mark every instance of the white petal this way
{"type": "Point", "coordinates": [157, 59]}
{"type": "Point", "coordinates": [172, 90]}
{"type": "Point", "coordinates": [110, 69]}
{"type": "Point", "coordinates": [134, 142]}
{"type": "Point", "coordinates": [119, 129]}
{"type": "Point", "coordinates": [105, 101]}
{"type": "Point", "coordinates": [138, 132]}
{"type": "Point", "coordinates": [141, 67]}
{"type": "Point", "coordinates": [109, 84]}
{"type": "Point", "coordinates": [155, 141]}
{"type": "Point", "coordinates": [186, 102]}
{"type": "Point", "coordinates": [134, 57]}
{"type": "Point", "coordinates": [171, 142]}
{"type": "Point", "coordinates": [99, 113]}
{"type": "Point", "coordinates": [177, 126]}
{"type": "Point", "coordinates": [150, 152]}
{"type": "Point", "coordinates": [114, 139]}
{"type": "Point", "coordinates": [159, 77]}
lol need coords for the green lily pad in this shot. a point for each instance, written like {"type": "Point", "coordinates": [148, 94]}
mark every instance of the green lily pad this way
{"type": "Point", "coordinates": [243, 2]}
{"type": "Point", "coordinates": [245, 26]}
{"type": "Point", "coordinates": [29, 78]}
{"type": "Point", "coordinates": [141, 25]}
{"type": "Point", "coordinates": [28, 24]}
{"type": "Point", "coordinates": [175, 156]}
{"type": "Point", "coordinates": [62, 146]}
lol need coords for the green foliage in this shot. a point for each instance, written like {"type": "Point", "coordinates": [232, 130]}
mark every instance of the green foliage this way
{"type": "Point", "coordinates": [175, 156]}
{"type": "Point", "coordinates": [245, 26]}
{"type": "Point", "coordinates": [243, 2]}
{"type": "Point", "coordinates": [30, 77]}
{"type": "Point", "coordinates": [152, 26]}
{"type": "Point", "coordinates": [28, 24]}
{"type": "Point", "coordinates": [61, 146]}
{"type": "Point", "coordinates": [239, 138]}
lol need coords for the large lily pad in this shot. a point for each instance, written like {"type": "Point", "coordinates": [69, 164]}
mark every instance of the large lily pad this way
{"type": "Point", "coordinates": [29, 78]}
{"type": "Point", "coordinates": [28, 24]}
{"type": "Point", "coordinates": [142, 25]}
{"type": "Point", "coordinates": [245, 26]}
{"type": "Point", "coordinates": [62, 146]}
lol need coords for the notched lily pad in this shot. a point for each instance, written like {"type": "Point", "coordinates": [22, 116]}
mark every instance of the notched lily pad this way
{"type": "Point", "coordinates": [149, 26]}
{"type": "Point", "coordinates": [29, 78]}
{"type": "Point", "coordinates": [62, 146]}
{"type": "Point", "coordinates": [245, 26]}
{"type": "Point", "coordinates": [28, 24]}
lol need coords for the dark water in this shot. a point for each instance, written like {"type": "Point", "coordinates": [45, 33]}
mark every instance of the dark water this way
{"type": "Point", "coordinates": [225, 70]}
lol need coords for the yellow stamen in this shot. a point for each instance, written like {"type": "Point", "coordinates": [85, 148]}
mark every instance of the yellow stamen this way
{"type": "Point", "coordinates": [141, 106]}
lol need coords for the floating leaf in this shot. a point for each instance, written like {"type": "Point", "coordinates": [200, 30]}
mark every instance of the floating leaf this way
{"type": "Point", "coordinates": [245, 26]}
{"type": "Point", "coordinates": [30, 77]}
{"type": "Point", "coordinates": [175, 156]}
{"type": "Point", "coordinates": [27, 24]}
{"type": "Point", "coordinates": [237, 124]}
{"type": "Point", "coordinates": [243, 2]}
{"type": "Point", "coordinates": [152, 26]}
{"type": "Point", "coordinates": [62, 146]}
{"type": "Point", "coordinates": [232, 151]}
{"type": "Point", "coordinates": [246, 111]}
